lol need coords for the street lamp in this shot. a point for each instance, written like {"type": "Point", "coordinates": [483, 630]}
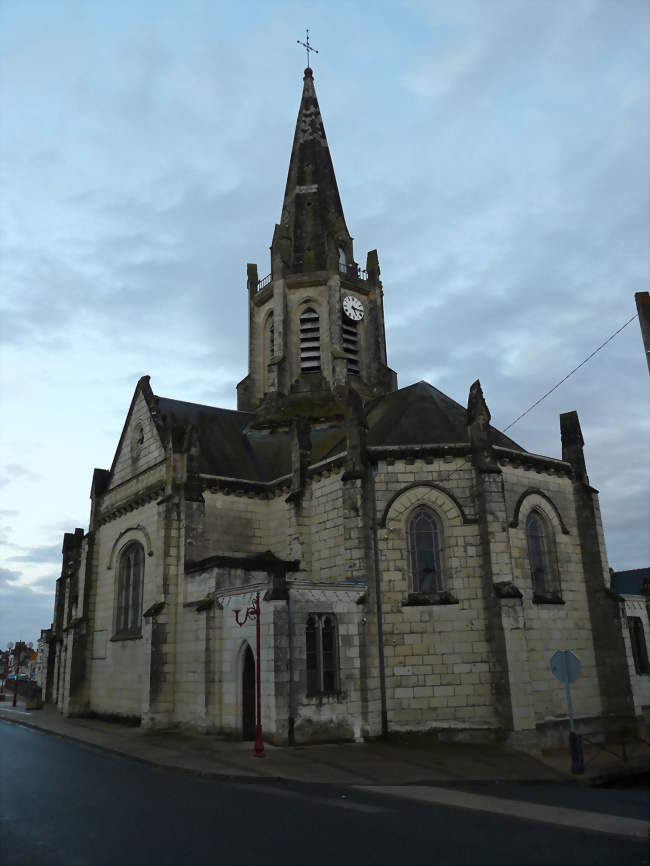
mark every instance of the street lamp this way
{"type": "Point", "coordinates": [253, 612]}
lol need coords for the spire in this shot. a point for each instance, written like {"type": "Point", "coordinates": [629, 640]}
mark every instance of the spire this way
{"type": "Point", "coordinates": [312, 228]}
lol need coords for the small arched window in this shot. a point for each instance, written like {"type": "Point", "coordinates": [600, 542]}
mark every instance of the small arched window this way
{"type": "Point", "coordinates": [343, 261]}
{"type": "Point", "coordinates": [425, 545]}
{"type": "Point", "coordinates": [128, 618]}
{"type": "Point", "coordinates": [309, 341]}
{"type": "Point", "coordinates": [322, 654]}
{"type": "Point", "coordinates": [539, 554]}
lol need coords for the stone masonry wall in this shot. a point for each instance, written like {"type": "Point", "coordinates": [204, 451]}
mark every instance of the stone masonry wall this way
{"type": "Point", "coordinates": [551, 627]}
{"type": "Point", "coordinates": [116, 672]}
{"type": "Point", "coordinates": [151, 452]}
{"type": "Point", "coordinates": [438, 659]}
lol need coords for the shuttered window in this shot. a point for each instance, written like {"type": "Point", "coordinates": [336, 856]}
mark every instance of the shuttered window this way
{"type": "Point", "coordinates": [309, 341]}
{"type": "Point", "coordinates": [351, 345]}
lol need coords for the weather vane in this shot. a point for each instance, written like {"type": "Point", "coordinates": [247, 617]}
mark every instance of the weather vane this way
{"type": "Point", "coordinates": [307, 46]}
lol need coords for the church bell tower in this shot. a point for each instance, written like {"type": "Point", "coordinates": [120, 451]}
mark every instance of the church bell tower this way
{"type": "Point", "coordinates": [316, 322]}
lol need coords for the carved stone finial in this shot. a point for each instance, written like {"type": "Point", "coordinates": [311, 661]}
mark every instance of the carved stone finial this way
{"type": "Point", "coordinates": [252, 278]}
{"type": "Point", "coordinates": [372, 266]}
{"type": "Point", "coordinates": [573, 444]}
{"type": "Point", "coordinates": [478, 427]}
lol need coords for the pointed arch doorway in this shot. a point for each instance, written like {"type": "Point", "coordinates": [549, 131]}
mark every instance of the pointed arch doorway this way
{"type": "Point", "coordinates": [248, 695]}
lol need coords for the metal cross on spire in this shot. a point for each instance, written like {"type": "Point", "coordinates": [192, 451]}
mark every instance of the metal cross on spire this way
{"type": "Point", "coordinates": [307, 46]}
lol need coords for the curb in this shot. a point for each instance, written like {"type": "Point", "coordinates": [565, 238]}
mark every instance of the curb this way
{"type": "Point", "coordinates": [189, 771]}
{"type": "Point", "coordinates": [603, 780]}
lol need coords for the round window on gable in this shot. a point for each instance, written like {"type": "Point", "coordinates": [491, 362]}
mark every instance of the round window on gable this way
{"type": "Point", "coordinates": [137, 440]}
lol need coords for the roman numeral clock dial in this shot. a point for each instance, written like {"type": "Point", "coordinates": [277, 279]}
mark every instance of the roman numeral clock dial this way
{"type": "Point", "coordinates": [353, 308]}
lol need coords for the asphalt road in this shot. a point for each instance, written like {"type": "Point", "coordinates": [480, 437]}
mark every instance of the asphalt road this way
{"type": "Point", "coordinates": [65, 804]}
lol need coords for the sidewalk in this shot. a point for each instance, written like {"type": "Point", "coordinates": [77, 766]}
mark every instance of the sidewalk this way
{"type": "Point", "coordinates": [405, 760]}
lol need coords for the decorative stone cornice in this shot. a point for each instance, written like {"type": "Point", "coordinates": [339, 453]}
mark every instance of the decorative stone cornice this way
{"type": "Point", "coordinates": [132, 503]}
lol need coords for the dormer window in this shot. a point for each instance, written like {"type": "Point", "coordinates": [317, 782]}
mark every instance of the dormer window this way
{"type": "Point", "coordinates": [309, 341]}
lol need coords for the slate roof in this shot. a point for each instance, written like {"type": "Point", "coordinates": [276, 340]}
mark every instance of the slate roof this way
{"type": "Point", "coordinates": [312, 210]}
{"type": "Point", "coordinates": [630, 582]}
{"type": "Point", "coordinates": [230, 446]}
{"type": "Point", "coordinates": [421, 415]}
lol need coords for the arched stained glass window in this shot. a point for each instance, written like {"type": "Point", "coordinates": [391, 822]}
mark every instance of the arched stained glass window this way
{"type": "Point", "coordinates": [425, 545]}
{"type": "Point", "coordinates": [538, 553]}
{"type": "Point", "coordinates": [129, 590]}
{"type": "Point", "coordinates": [322, 654]}
{"type": "Point", "coordinates": [312, 656]}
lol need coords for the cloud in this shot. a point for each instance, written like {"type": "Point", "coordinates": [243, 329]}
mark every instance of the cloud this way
{"type": "Point", "coordinates": [45, 554]}
{"type": "Point", "coordinates": [24, 609]}
{"type": "Point", "coordinates": [495, 155]}
{"type": "Point", "coordinates": [16, 472]}
{"type": "Point", "coordinates": [6, 574]}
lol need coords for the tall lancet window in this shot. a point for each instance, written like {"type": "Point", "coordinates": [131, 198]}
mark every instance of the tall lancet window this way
{"type": "Point", "coordinates": [425, 544]}
{"type": "Point", "coordinates": [129, 590]}
{"type": "Point", "coordinates": [343, 261]}
{"type": "Point", "coordinates": [309, 341]}
{"type": "Point", "coordinates": [538, 553]}
{"type": "Point", "coordinates": [351, 344]}
{"type": "Point", "coordinates": [269, 339]}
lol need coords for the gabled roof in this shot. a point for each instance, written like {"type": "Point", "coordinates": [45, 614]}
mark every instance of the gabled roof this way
{"type": "Point", "coordinates": [143, 387]}
{"type": "Point", "coordinates": [631, 582]}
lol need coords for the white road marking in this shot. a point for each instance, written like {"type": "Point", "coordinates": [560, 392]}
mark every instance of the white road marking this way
{"type": "Point", "coordinates": [578, 820]}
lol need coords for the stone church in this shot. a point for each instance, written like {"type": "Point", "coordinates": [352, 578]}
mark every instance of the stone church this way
{"type": "Point", "coordinates": [416, 567]}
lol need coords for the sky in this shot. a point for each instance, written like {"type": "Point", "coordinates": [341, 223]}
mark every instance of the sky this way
{"type": "Point", "coordinates": [494, 152]}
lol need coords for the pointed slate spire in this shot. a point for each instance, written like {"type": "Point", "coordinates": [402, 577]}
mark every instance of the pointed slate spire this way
{"type": "Point", "coordinates": [312, 228]}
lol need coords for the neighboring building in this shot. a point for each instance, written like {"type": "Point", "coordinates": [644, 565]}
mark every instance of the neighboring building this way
{"type": "Point", "coordinates": [632, 589]}
{"type": "Point", "coordinates": [43, 650]}
{"type": "Point", "coordinates": [327, 482]}
{"type": "Point", "coordinates": [4, 667]}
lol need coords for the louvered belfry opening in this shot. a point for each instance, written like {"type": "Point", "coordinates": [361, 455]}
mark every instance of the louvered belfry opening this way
{"type": "Point", "coordinates": [309, 341]}
{"type": "Point", "coordinates": [351, 345]}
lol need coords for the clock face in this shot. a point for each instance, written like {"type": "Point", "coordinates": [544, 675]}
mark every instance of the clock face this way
{"type": "Point", "coordinates": [353, 308]}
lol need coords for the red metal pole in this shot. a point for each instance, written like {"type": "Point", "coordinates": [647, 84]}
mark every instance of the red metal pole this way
{"type": "Point", "coordinates": [259, 742]}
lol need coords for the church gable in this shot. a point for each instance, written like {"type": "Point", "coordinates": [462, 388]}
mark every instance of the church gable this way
{"type": "Point", "coordinates": [140, 446]}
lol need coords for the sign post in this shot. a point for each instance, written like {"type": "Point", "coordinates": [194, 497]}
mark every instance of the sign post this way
{"type": "Point", "coordinates": [566, 667]}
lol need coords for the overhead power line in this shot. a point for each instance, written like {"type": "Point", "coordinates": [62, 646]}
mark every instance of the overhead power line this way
{"type": "Point", "coordinates": [575, 369]}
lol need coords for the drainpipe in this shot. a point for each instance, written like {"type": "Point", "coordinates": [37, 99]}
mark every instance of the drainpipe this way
{"type": "Point", "coordinates": [292, 717]}
{"type": "Point", "coordinates": [380, 618]}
